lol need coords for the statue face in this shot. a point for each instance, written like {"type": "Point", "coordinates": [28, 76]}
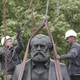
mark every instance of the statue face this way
{"type": "Point", "coordinates": [39, 50]}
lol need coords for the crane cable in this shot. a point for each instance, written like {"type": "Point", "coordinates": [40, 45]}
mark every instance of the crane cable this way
{"type": "Point", "coordinates": [58, 9]}
{"type": "Point", "coordinates": [4, 24]}
{"type": "Point", "coordinates": [47, 7]}
{"type": "Point", "coordinates": [32, 15]}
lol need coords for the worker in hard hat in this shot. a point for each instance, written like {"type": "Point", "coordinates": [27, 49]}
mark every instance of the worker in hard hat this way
{"type": "Point", "coordinates": [7, 41]}
{"type": "Point", "coordinates": [73, 55]}
{"type": "Point", "coordinates": [12, 53]}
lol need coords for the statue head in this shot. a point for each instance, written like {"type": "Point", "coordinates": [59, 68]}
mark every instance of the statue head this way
{"type": "Point", "coordinates": [40, 48]}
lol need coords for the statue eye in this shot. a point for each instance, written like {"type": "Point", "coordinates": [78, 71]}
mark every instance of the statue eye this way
{"type": "Point", "coordinates": [39, 46]}
{"type": "Point", "coordinates": [42, 46]}
{"type": "Point", "coordinates": [36, 46]}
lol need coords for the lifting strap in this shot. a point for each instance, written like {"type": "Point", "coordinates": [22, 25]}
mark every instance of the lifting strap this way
{"type": "Point", "coordinates": [27, 50]}
{"type": "Point", "coordinates": [56, 61]}
{"type": "Point", "coordinates": [57, 64]}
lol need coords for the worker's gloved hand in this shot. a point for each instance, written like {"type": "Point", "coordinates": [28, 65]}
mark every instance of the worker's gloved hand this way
{"type": "Point", "coordinates": [18, 31]}
{"type": "Point", "coordinates": [57, 57]}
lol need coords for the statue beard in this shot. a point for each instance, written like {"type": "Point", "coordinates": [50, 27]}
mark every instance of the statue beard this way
{"type": "Point", "coordinates": [40, 56]}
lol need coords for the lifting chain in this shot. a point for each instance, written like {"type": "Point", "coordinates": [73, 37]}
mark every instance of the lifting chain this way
{"type": "Point", "coordinates": [4, 24]}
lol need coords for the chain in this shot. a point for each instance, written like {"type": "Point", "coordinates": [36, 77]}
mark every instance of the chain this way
{"type": "Point", "coordinates": [4, 16]}
{"type": "Point", "coordinates": [4, 23]}
{"type": "Point", "coordinates": [5, 63]}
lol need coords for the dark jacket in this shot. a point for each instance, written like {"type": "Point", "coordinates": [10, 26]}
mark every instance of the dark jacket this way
{"type": "Point", "coordinates": [13, 58]}
{"type": "Point", "coordinates": [51, 76]}
{"type": "Point", "coordinates": [74, 59]}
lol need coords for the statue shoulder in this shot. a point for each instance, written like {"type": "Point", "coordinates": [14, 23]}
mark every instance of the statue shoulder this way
{"type": "Point", "coordinates": [19, 66]}
{"type": "Point", "coordinates": [18, 69]}
{"type": "Point", "coordinates": [61, 64]}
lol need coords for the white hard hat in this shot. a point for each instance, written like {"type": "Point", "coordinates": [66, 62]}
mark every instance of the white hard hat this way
{"type": "Point", "coordinates": [3, 39]}
{"type": "Point", "coordinates": [70, 33]}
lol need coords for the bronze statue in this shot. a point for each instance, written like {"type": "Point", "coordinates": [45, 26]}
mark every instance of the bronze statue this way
{"type": "Point", "coordinates": [40, 66]}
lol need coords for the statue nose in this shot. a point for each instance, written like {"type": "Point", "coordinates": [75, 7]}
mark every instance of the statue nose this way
{"type": "Point", "coordinates": [39, 48]}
